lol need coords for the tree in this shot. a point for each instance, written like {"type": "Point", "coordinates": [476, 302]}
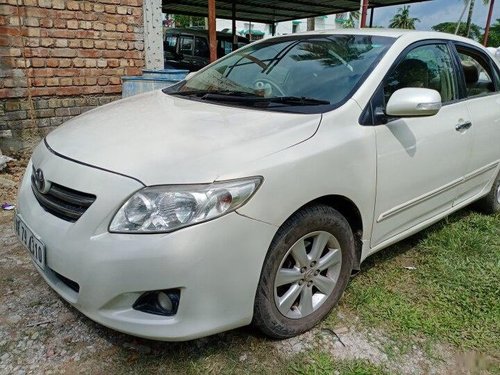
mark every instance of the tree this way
{"type": "Point", "coordinates": [350, 21]}
{"type": "Point", "coordinates": [188, 21]}
{"type": "Point", "coordinates": [402, 19]}
{"type": "Point", "coordinates": [469, 15]}
{"type": "Point", "coordinates": [450, 27]}
{"type": "Point", "coordinates": [494, 38]}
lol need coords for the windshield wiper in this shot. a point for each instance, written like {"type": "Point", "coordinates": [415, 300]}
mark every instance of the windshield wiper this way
{"type": "Point", "coordinates": [254, 99]}
{"type": "Point", "coordinates": [251, 98]}
{"type": "Point", "coordinates": [297, 100]}
{"type": "Point", "coordinates": [203, 93]}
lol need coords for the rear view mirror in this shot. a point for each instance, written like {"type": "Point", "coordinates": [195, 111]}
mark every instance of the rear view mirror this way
{"type": "Point", "coordinates": [413, 102]}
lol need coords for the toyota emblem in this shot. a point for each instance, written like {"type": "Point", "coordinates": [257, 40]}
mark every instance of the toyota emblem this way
{"type": "Point", "coordinates": [40, 181]}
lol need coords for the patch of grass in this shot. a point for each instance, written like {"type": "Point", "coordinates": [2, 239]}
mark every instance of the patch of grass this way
{"type": "Point", "coordinates": [453, 294]}
{"type": "Point", "coordinates": [317, 363]}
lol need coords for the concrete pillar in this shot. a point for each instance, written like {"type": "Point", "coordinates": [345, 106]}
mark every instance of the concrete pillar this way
{"type": "Point", "coordinates": [153, 34]}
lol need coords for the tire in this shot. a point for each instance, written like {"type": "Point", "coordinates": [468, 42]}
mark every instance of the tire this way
{"type": "Point", "coordinates": [490, 204]}
{"type": "Point", "coordinates": [307, 267]}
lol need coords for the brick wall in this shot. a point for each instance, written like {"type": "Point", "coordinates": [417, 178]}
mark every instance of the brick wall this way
{"type": "Point", "coordinates": [59, 58]}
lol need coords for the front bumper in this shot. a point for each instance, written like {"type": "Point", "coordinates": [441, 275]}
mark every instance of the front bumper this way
{"type": "Point", "coordinates": [216, 265]}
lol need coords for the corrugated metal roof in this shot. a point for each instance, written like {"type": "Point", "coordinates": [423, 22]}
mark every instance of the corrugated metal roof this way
{"type": "Point", "coordinates": [272, 11]}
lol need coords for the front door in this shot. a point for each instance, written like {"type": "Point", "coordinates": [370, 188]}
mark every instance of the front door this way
{"type": "Point", "coordinates": [420, 160]}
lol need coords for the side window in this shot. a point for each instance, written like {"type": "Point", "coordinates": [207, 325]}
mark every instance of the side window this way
{"type": "Point", "coordinates": [429, 66]}
{"type": "Point", "coordinates": [477, 73]}
{"type": "Point", "coordinates": [186, 47]}
{"type": "Point", "coordinates": [170, 45]}
{"type": "Point", "coordinates": [201, 47]}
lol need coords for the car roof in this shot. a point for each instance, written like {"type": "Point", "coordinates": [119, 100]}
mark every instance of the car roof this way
{"type": "Point", "coordinates": [411, 35]}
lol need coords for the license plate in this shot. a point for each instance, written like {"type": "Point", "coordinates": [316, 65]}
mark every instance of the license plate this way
{"type": "Point", "coordinates": [30, 240]}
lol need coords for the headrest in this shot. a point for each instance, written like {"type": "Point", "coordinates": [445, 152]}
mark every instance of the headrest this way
{"type": "Point", "coordinates": [471, 72]}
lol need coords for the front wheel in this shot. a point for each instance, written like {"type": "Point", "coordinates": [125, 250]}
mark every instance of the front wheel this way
{"type": "Point", "coordinates": [490, 204]}
{"type": "Point", "coordinates": [305, 272]}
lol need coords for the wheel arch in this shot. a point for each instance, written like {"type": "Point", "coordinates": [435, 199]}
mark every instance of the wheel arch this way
{"type": "Point", "coordinates": [347, 208]}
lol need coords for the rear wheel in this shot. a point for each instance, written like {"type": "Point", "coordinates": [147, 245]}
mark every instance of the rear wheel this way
{"type": "Point", "coordinates": [490, 204]}
{"type": "Point", "coordinates": [305, 272]}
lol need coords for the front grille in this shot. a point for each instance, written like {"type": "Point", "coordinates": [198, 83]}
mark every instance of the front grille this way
{"type": "Point", "coordinates": [63, 202]}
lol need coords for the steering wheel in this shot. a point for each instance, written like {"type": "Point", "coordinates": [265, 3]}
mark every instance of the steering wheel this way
{"type": "Point", "coordinates": [268, 87]}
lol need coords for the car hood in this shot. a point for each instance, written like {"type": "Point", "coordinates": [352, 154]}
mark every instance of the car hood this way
{"type": "Point", "coordinates": [162, 139]}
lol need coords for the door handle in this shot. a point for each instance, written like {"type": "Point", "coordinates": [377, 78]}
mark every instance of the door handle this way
{"type": "Point", "coordinates": [463, 126]}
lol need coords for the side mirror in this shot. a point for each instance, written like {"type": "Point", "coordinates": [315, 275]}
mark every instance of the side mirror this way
{"type": "Point", "coordinates": [413, 102]}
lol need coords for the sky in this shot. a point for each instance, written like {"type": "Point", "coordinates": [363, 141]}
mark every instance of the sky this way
{"type": "Point", "coordinates": [433, 12]}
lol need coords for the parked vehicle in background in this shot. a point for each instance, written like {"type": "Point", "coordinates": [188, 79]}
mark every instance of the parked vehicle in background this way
{"type": "Point", "coordinates": [186, 48]}
{"type": "Point", "coordinates": [250, 191]}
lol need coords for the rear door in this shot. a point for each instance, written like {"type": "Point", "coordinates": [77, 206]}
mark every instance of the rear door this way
{"type": "Point", "coordinates": [420, 160]}
{"type": "Point", "coordinates": [481, 89]}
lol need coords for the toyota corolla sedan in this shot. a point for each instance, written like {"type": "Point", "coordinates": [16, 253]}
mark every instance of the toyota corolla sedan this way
{"type": "Point", "coordinates": [251, 191]}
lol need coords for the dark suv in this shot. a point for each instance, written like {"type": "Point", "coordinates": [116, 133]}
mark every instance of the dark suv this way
{"type": "Point", "coordinates": [188, 48]}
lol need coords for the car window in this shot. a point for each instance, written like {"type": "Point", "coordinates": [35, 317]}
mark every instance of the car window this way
{"type": "Point", "coordinates": [186, 45]}
{"type": "Point", "coordinates": [477, 73]}
{"type": "Point", "coordinates": [324, 68]}
{"type": "Point", "coordinates": [429, 66]}
{"type": "Point", "coordinates": [201, 47]}
{"type": "Point", "coordinates": [170, 45]}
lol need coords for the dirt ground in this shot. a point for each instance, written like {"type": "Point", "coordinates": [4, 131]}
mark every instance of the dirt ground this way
{"type": "Point", "coordinates": [40, 333]}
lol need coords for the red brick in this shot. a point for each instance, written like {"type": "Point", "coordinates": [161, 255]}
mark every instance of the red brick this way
{"type": "Point", "coordinates": [36, 12]}
{"type": "Point", "coordinates": [79, 63]}
{"type": "Point", "coordinates": [10, 31]}
{"type": "Point", "coordinates": [46, 22]}
{"type": "Point", "coordinates": [100, 44]}
{"type": "Point", "coordinates": [113, 63]}
{"type": "Point", "coordinates": [65, 81]}
{"type": "Point", "coordinates": [69, 34]}
{"type": "Point", "coordinates": [110, 9]}
{"type": "Point", "coordinates": [63, 52]}
{"type": "Point", "coordinates": [90, 63]}
{"type": "Point", "coordinates": [99, 8]}
{"type": "Point", "coordinates": [38, 81]}
{"type": "Point", "coordinates": [53, 81]}
{"type": "Point", "coordinates": [74, 43]}
{"type": "Point", "coordinates": [114, 80]}
{"type": "Point", "coordinates": [122, 45]}
{"type": "Point", "coordinates": [62, 43]}
{"type": "Point", "coordinates": [46, 42]}
{"type": "Point", "coordinates": [45, 3]}
{"type": "Point", "coordinates": [43, 72]}
{"type": "Point", "coordinates": [31, 21]}
{"type": "Point", "coordinates": [113, 89]}
{"type": "Point", "coordinates": [88, 43]}
{"type": "Point", "coordinates": [38, 62]}
{"type": "Point", "coordinates": [65, 63]}
{"type": "Point", "coordinates": [52, 63]}
{"type": "Point", "coordinates": [101, 81]}
{"type": "Point", "coordinates": [72, 24]}
{"type": "Point", "coordinates": [7, 10]}
{"type": "Point", "coordinates": [79, 81]}
{"type": "Point", "coordinates": [60, 24]}
{"type": "Point", "coordinates": [58, 4]}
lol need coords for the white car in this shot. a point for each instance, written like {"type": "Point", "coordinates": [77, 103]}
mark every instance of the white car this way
{"type": "Point", "coordinates": [251, 191]}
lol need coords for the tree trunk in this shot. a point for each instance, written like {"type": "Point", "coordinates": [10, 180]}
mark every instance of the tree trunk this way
{"type": "Point", "coordinates": [469, 18]}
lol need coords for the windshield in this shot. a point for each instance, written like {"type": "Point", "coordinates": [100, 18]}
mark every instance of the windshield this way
{"type": "Point", "coordinates": [296, 71]}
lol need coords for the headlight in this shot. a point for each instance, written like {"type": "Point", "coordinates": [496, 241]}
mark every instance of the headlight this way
{"type": "Point", "coordinates": [170, 207]}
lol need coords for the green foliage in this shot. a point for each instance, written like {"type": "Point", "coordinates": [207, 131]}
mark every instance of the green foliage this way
{"type": "Point", "coordinates": [402, 19]}
{"type": "Point", "coordinates": [452, 295]}
{"type": "Point", "coordinates": [450, 27]}
{"type": "Point", "coordinates": [494, 37]}
{"type": "Point", "coordinates": [318, 363]}
{"type": "Point", "coordinates": [188, 21]}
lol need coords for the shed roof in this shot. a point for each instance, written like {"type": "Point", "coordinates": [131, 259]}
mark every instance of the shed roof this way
{"type": "Point", "coordinates": [266, 11]}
